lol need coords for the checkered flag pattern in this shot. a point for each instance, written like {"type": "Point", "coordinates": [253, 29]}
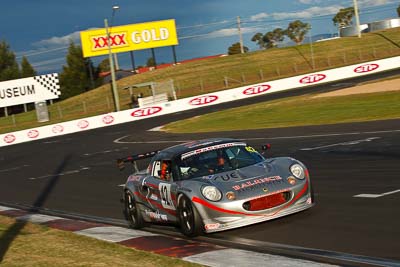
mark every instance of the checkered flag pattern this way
{"type": "Point", "coordinates": [50, 82]}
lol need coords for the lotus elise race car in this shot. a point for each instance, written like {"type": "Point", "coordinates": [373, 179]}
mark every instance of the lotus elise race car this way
{"type": "Point", "coordinates": [213, 185]}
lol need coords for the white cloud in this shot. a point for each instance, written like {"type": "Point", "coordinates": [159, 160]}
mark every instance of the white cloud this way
{"type": "Point", "coordinates": [259, 16]}
{"type": "Point", "coordinates": [309, 2]}
{"type": "Point", "coordinates": [59, 41]}
{"type": "Point", "coordinates": [232, 32]}
{"type": "Point", "coordinates": [306, 13]}
{"type": "Point", "coordinates": [368, 3]}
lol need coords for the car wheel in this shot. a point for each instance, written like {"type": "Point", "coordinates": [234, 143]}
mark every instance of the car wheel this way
{"type": "Point", "coordinates": [132, 212]}
{"type": "Point", "coordinates": [189, 219]}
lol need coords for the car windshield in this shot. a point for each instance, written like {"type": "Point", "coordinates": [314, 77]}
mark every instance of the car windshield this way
{"type": "Point", "coordinates": [209, 161]}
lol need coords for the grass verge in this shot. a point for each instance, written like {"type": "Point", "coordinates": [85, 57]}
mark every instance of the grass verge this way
{"type": "Point", "coordinates": [295, 111]}
{"type": "Point", "coordinates": [36, 245]}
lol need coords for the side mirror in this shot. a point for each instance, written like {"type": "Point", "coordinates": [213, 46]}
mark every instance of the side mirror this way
{"type": "Point", "coordinates": [266, 147]}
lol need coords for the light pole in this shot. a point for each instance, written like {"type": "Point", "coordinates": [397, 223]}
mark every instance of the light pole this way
{"type": "Point", "coordinates": [311, 50]}
{"type": "Point", "coordinates": [114, 8]}
{"type": "Point", "coordinates": [357, 18]}
{"type": "Point", "coordinates": [110, 59]}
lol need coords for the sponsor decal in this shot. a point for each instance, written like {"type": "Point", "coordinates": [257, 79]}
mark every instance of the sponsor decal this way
{"type": "Point", "coordinates": [143, 112]}
{"type": "Point", "coordinates": [33, 134]}
{"type": "Point", "coordinates": [209, 148]}
{"type": "Point", "coordinates": [251, 149]}
{"type": "Point", "coordinates": [195, 144]}
{"type": "Point", "coordinates": [366, 68]}
{"type": "Point", "coordinates": [255, 182]}
{"type": "Point", "coordinates": [312, 78]}
{"type": "Point", "coordinates": [134, 178]}
{"type": "Point", "coordinates": [57, 129]}
{"type": "Point", "coordinates": [258, 89]}
{"type": "Point", "coordinates": [154, 197]}
{"type": "Point", "coordinates": [203, 100]}
{"type": "Point", "coordinates": [156, 215]}
{"type": "Point", "coordinates": [116, 40]}
{"type": "Point", "coordinates": [165, 195]}
{"type": "Point", "coordinates": [212, 226]}
{"type": "Point", "coordinates": [9, 138]}
{"type": "Point", "coordinates": [83, 124]}
{"type": "Point", "coordinates": [226, 176]}
{"type": "Point", "coordinates": [108, 119]}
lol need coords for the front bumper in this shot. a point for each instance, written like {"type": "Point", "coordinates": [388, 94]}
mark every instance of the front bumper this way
{"type": "Point", "coordinates": [223, 216]}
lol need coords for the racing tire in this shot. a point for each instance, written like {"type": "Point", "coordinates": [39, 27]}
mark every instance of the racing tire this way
{"type": "Point", "coordinates": [132, 212]}
{"type": "Point", "coordinates": [189, 219]}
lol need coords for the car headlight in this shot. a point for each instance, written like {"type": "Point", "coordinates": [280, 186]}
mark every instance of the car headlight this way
{"type": "Point", "coordinates": [211, 193]}
{"type": "Point", "coordinates": [297, 170]}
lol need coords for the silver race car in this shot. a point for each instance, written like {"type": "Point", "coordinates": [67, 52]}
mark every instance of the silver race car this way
{"type": "Point", "coordinates": [214, 185]}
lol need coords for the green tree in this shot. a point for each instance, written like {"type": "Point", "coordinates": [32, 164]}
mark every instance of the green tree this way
{"type": "Point", "coordinates": [75, 77]}
{"type": "Point", "coordinates": [258, 38]}
{"type": "Point", "coordinates": [271, 39]}
{"type": "Point", "coordinates": [150, 62]}
{"type": "Point", "coordinates": [8, 65]}
{"type": "Point", "coordinates": [104, 65]}
{"type": "Point", "coordinates": [297, 30]}
{"type": "Point", "coordinates": [235, 49]}
{"type": "Point", "coordinates": [26, 68]}
{"type": "Point", "coordinates": [398, 11]}
{"type": "Point", "coordinates": [344, 17]}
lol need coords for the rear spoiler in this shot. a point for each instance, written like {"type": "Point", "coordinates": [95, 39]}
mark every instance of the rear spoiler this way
{"type": "Point", "coordinates": [132, 159]}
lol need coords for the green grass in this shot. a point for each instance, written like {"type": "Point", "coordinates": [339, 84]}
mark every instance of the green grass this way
{"type": "Point", "coordinates": [36, 245]}
{"type": "Point", "coordinates": [296, 111]}
{"type": "Point", "coordinates": [209, 75]}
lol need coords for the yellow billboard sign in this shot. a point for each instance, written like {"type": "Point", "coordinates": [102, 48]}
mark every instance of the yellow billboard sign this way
{"type": "Point", "coordinates": [129, 37]}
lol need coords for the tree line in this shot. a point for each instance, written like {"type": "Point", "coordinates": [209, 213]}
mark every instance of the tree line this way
{"type": "Point", "coordinates": [296, 31]}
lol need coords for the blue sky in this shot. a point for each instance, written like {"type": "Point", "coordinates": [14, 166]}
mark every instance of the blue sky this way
{"type": "Point", "coordinates": [42, 29]}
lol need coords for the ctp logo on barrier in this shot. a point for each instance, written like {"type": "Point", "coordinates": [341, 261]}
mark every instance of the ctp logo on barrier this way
{"type": "Point", "coordinates": [143, 112]}
{"type": "Point", "coordinates": [258, 89]}
{"type": "Point", "coordinates": [313, 78]}
{"type": "Point", "coordinates": [108, 119]}
{"type": "Point", "coordinates": [366, 68]}
{"type": "Point", "coordinates": [9, 138]}
{"type": "Point", "coordinates": [83, 124]}
{"type": "Point", "coordinates": [33, 134]}
{"type": "Point", "coordinates": [203, 100]}
{"type": "Point", "coordinates": [57, 129]}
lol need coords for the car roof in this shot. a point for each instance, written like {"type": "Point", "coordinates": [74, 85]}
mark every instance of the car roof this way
{"type": "Point", "coordinates": [192, 145]}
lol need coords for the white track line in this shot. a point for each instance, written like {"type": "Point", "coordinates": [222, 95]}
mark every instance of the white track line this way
{"type": "Point", "coordinates": [377, 195]}
{"type": "Point", "coordinates": [348, 143]}
{"type": "Point", "coordinates": [119, 140]}
{"type": "Point", "coordinates": [15, 168]}
{"type": "Point", "coordinates": [60, 174]}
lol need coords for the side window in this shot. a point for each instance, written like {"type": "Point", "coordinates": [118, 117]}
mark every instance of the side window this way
{"type": "Point", "coordinates": [162, 170]}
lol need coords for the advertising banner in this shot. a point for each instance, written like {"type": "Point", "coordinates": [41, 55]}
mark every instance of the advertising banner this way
{"type": "Point", "coordinates": [129, 37]}
{"type": "Point", "coordinates": [29, 90]}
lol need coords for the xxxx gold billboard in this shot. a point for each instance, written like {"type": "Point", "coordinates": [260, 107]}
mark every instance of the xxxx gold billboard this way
{"type": "Point", "coordinates": [129, 37]}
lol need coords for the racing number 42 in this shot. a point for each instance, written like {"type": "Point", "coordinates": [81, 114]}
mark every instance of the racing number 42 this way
{"type": "Point", "coordinates": [165, 194]}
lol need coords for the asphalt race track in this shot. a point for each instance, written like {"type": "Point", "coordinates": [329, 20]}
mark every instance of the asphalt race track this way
{"type": "Point", "coordinates": [354, 170]}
